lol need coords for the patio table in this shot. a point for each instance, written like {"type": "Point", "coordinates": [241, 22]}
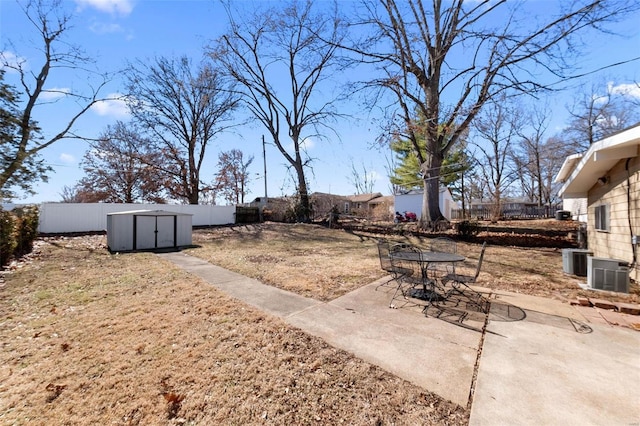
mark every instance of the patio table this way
{"type": "Point", "coordinates": [425, 259]}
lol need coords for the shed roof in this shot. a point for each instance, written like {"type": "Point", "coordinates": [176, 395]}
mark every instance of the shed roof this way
{"type": "Point", "coordinates": [580, 172]}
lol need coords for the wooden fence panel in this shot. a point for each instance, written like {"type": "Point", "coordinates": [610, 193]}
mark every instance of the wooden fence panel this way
{"type": "Point", "coordinates": [247, 214]}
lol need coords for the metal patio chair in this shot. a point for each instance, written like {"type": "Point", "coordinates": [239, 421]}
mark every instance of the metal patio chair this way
{"type": "Point", "coordinates": [461, 282]}
{"type": "Point", "coordinates": [387, 264]}
{"type": "Point", "coordinates": [442, 245]}
{"type": "Point", "coordinates": [408, 282]}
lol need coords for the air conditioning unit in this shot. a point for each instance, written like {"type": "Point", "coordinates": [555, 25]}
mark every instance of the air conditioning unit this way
{"type": "Point", "coordinates": [608, 274]}
{"type": "Point", "coordinates": [574, 261]}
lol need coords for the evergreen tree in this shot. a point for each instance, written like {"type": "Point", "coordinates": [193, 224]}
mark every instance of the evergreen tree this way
{"type": "Point", "coordinates": [407, 175]}
{"type": "Point", "coordinates": [31, 167]}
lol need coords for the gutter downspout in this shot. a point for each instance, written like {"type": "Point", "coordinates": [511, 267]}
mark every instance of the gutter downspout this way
{"type": "Point", "coordinates": [633, 246]}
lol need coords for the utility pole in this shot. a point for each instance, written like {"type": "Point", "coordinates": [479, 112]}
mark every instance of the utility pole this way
{"type": "Point", "coordinates": [264, 159]}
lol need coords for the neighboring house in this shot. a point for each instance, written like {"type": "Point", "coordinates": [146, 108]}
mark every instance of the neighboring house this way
{"type": "Point", "coordinates": [382, 207]}
{"type": "Point", "coordinates": [364, 205]}
{"type": "Point", "coordinates": [607, 176]}
{"type": "Point", "coordinates": [274, 208]}
{"type": "Point", "coordinates": [361, 202]}
{"type": "Point", "coordinates": [323, 203]}
{"type": "Point", "coordinates": [358, 204]}
{"type": "Point", "coordinates": [412, 202]}
{"type": "Point", "coordinates": [373, 206]}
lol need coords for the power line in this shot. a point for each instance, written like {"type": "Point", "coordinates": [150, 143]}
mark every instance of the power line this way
{"type": "Point", "coordinates": [573, 77]}
{"type": "Point", "coordinates": [417, 181]}
{"type": "Point", "coordinates": [58, 165]}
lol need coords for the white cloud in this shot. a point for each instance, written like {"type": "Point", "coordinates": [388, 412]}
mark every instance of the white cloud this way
{"type": "Point", "coordinates": [373, 176]}
{"type": "Point", "coordinates": [114, 7]}
{"type": "Point", "coordinates": [12, 62]}
{"type": "Point", "coordinates": [54, 93]}
{"type": "Point", "coordinates": [113, 106]}
{"type": "Point", "coordinates": [305, 145]}
{"type": "Point", "coordinates": [632, 89]}
{"type": "Point", "coordinates": [103, 28]}
{"type": "Point", "coordinates": [599, 99]}
{"type": "Point", "coordinates": [67, 158]}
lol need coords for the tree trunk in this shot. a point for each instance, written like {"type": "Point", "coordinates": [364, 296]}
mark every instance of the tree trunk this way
{"type": "Point", "coordinates": [497, 206]}
{"type": "Point", "coordinates": [539, 178]}
{"type": "Point", "coordinates": [464, 210]}
{"type": "Point", "coordinates": [431, 197]}
{"type": "Point", "coordinates": [194, 190]}
{"type": "Point", "coordinates": [304, 210]}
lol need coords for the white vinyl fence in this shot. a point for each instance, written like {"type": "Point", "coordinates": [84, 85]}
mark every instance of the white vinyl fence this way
{"type": "Point", "coordinates": [59, 218]}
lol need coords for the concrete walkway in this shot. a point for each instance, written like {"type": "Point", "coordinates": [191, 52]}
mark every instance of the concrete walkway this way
{"type": "Point", "coordinates": [554, 367]}
{"type": "Point", "coordinates": [541, 361]}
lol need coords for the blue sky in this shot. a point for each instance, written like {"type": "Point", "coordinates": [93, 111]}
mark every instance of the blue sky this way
{"type": "Point", "coordinates": [116, 31]}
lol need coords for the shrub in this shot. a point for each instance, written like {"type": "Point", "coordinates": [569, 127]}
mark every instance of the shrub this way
{"type": "Point", "coordinates": [467, 229]}
{"type": "Point", "coordinates": [295, 212]}
{"type": "Point", "coordinates": [18, 231]}
{"type": "Point", "coordinates": [27, 229]}
{"type": "Point", "coordinates": [7, 237]}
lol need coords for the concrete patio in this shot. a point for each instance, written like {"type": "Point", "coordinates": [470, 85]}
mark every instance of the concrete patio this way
{"type": "Point", "coordinates": [535, 361]}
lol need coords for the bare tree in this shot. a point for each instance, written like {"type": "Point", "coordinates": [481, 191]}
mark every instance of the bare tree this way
{"type": "Point", "coordinates": [597, 112]}
{"type": "Point", "coordinates": [497, 127]}
{"type": "Point", "coordinates": [553, 153]}
{"type": "Point", "coordinates": [232, 177]}
{"type": "Point", "coordinates": [475, 189]}
{"type": "Point", "coordinates": [362, 180]}
{"type": "Point", "coordinates": [538, 158]}
{"type": "Point", "coordinates": [442, 61]}
{"type": "Point", "coordinates": [280, 59]}
{"type": "Point", "coordinates": [183, 109]}
{"type": "Point", "coordinates": [121, 167]}
{"type": "Point", "coordinates": [70, 194]}
{"type": "Point", "coordinates": [528, 153]}
{"type": "Point", "coordinates": [21, 165]}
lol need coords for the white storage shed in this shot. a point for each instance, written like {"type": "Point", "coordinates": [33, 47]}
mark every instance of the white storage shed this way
{"type": "Point", "coordinates": [412, 202]}
{"type": "Point", "coordinates": [148, 230]}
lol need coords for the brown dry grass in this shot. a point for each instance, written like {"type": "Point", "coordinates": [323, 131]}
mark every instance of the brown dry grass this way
{"type": "Point", "coordinates": [327, 263]}
{"type": "Point", "coordinates": [93, 338]}
{"type": "Point", "coordinates": [309, 260]}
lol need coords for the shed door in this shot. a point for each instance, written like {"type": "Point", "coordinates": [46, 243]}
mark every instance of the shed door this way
{"type": "Point", "coordinates": [155, 232]}
{"type": "Point", "coordinates": [145, 232]}
{"type": "Point", "coordinates": [165, 227]}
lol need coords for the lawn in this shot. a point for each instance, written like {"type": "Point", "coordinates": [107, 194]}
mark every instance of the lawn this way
{"type": "Point", "coordinates": [326, 263]}
{"type": "Point", "coordinates": [90, 337]}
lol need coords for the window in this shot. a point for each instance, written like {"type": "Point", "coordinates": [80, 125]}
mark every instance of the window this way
{"type": "Point", "coordinates": [602, 217]}
{"type": "Point", "coordinates": [346, 208]}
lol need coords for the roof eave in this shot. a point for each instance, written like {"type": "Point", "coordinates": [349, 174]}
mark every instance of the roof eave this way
{"type": "Point", "coordinates": [599, 159]}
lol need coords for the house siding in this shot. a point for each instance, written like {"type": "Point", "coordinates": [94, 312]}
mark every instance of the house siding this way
{"type": "Point", "coordinates": [616, 242]}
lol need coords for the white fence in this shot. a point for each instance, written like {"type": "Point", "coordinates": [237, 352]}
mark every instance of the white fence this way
{"type": "Point", "coordinates": [58, 218]}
